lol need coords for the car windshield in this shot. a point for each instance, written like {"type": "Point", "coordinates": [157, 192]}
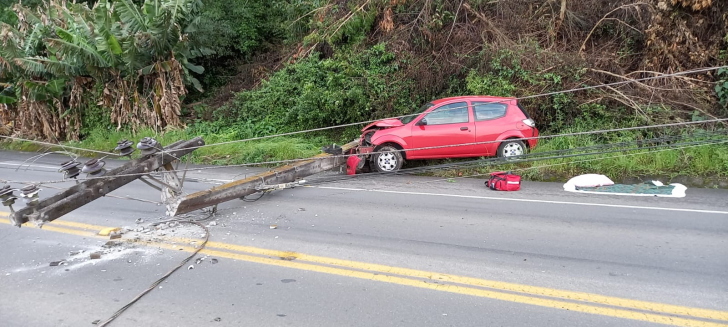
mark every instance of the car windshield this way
{"type": "Point", "coordinates": [412, 117]}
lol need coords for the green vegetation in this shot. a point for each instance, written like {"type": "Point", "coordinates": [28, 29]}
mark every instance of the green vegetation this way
{"type": "Point", "coordinates": [350, 87]}
{"type": "Point", "coordinates": [62, 59]}
{"type": "Point", "coordinates": [82, 73]}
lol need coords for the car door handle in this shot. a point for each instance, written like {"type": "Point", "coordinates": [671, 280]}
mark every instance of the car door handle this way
{"type": "Point", "coordinates": [463, 128]}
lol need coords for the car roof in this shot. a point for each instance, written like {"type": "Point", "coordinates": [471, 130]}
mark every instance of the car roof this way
{"type": "Point", "coordinates": [472, 97]}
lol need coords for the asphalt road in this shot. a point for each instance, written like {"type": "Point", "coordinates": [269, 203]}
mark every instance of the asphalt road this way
{"type": "Point", "coordinates": [402, 251]}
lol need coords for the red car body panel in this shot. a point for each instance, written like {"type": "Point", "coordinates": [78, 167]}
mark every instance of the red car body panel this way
{"type": "Point", "coordinates": [448, 138]}
{"type": "Point", "coordinates": [393, 122]}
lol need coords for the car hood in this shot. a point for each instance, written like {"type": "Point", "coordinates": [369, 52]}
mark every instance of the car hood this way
{"type": "Point", "coordinates": [393, 122]}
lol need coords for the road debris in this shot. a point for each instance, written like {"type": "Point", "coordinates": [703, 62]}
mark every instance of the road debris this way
{"type": "Point", "coordinates": [191, 267]}
{"type": "Point", "coordinates": [218, 319]}
{"type": "Point", "coordinates": [57, 263]}
{"type": "Point", "coordinates": [95, 255]}
{"type": "Point", "coordinates": [139, 221]}
{"type": "Point", "coordinates": [273, 226]}
{"type": "Point", "coordinates": [212, 223]}
{"type": "Point", "coordinates": [213, 261]}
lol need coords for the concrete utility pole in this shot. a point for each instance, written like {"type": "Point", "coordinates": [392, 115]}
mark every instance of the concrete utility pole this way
{"type": "Point", "coordinates": [240, 188]}
{"type": "Point", "coordinates": [85, 192]}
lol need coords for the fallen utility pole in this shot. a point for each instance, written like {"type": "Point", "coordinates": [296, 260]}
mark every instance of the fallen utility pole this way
{"type": "Point", "coordinates": [87, 191]}
{"type": "Point", "coordinates": [240, 188]}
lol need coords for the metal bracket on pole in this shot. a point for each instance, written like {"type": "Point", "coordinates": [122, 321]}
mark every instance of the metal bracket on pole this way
{"type": "Point", "coordinates": [280, 186]}
{"type": "Point", "coordinates": [89, 190]}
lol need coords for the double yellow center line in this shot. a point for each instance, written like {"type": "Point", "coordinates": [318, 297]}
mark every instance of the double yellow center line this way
{"type": "Point", "coordinates": [534, 295]}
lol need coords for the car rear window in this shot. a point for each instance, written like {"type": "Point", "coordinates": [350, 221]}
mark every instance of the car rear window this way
{"type": "Point", "coordinates": [489, 110]}
{"type": "Point", "coordinates": [525, 113]}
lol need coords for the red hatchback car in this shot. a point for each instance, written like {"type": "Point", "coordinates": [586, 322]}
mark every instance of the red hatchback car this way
{"type": "Point", "coordinates": [441, 126]}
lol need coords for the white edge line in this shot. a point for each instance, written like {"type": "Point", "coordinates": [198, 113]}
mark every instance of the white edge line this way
{"type": "Point", "coordinates": [524, 200]}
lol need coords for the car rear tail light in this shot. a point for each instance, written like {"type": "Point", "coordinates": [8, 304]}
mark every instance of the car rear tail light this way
{"type": "Point", "coordinates": [529, 122]}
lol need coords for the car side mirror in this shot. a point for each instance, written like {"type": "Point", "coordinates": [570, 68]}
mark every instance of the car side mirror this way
{"type": "Point", "coordinates": [422, 122]}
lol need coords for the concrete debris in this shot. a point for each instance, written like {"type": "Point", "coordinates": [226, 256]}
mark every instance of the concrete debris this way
{"type": "Point", "coordinates": [200, 260]}
{"type": "Point", "coordinates": [139, 221]}
{"type": "Point", "coordinates": [110, 244]}
{"type": "Point", "coordinates": [72, 253]}
{"type": "Point", "coordinates": [95, 255]}
{"type": "Point", "coordinates": [191, 267]}
{"type": "Point", "coordinates": [218, 319]}
{"type": "Point", "coordinates": [213, 261]}
{"type": "Point", "coordinates": [57, 263]}
{"type": "Point", "coordinates": [273, 226]}
{"type": "Point", "coordinates": [115, 236]}
{"type": "Point", "coordinates": [212, 223]}
{"type": "Point", "coordinates": [301, 209]}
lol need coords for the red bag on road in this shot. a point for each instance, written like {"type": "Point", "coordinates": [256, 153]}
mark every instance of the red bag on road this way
{"type": "Point", "coordinates": [503, 181]}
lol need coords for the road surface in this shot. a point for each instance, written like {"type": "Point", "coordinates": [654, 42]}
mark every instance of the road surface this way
{"type": "Point", "coordinates": [401, 251]}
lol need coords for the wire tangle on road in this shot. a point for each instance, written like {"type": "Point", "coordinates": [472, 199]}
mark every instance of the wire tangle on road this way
{"type": "Point", "coordinates": [165, 276]}
{"type": "Point", "coordinates": [541, 137]}
{"type": "Point", "coordinates": [660, 142]}
{"type": "Point", "coordinates": [551, 155]}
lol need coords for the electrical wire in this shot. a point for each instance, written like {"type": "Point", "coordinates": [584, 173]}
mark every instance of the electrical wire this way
{"type": "Point", "coordinates": [163, 278]}
{"type": "Point", "coordinates": [575, 162]}
{"type": "Point", "coordinates": [628, 81]}
{"type": "Point", "coordinates": [262, 194]}
{"type": "Point", "coordinates": [57, 145]}
{"type": "Point", "coordinates": [416, 149]}
{"type": "Point", "coordinates": [494, 161]}
{"type": "Point", "coordinates": [699, 70]}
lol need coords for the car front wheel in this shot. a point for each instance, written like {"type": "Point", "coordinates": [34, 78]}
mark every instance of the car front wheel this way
{"type": "Point", "coordinates": [388, 159]}
{"type": "Point", "coordinates": [511, 148]}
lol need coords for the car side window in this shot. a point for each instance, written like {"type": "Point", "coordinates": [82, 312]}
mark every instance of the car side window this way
{"type": "Point", "coordinates": [452, 113]}
{"type": "Point", "coordinates": [489, 110]}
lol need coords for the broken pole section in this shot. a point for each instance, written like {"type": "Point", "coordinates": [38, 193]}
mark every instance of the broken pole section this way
{"type": "Point", "coordinates": [240, 188]}
{"type": "Point", "coordinates": [83, 193]}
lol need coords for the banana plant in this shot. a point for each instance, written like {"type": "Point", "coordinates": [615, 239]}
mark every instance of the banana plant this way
{"type": "Point", "coordinates": [61, 55]}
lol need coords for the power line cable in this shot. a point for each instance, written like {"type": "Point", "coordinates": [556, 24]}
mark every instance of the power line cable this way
{"type": "Point", "coordinates": [417, 149]}
{"type": "Point", "coordinates": [370, 121]}
{"type": "Point", "coordinates": [57, 145]}
{"type": "Point", "coordinates": [494, 161]}
{"type": "Point", "coordinates": [628, 81]}
{"type": "Point", "coordinates": [578, 161]}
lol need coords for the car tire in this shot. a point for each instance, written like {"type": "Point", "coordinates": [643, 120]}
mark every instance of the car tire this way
{"type": "Point", "coordinates": [511, 148]}
{"type": "Point", "coordinates": [388, 159]}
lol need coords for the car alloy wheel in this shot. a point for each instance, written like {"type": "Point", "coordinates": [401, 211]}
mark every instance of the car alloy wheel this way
{"type": "Point", "coordinates": [387, 161]}
{"type": "Point", "coordinates": [512, 149]}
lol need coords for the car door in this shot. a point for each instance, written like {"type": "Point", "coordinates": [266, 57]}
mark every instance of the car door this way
{"type": "Point", "coordinates": [491, 120]}
{"type": "Point", "coordinates": [447, 125]}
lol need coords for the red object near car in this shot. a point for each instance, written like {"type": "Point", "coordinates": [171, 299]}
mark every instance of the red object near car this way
{"type": "Point", "coordinates": [456, 127]}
